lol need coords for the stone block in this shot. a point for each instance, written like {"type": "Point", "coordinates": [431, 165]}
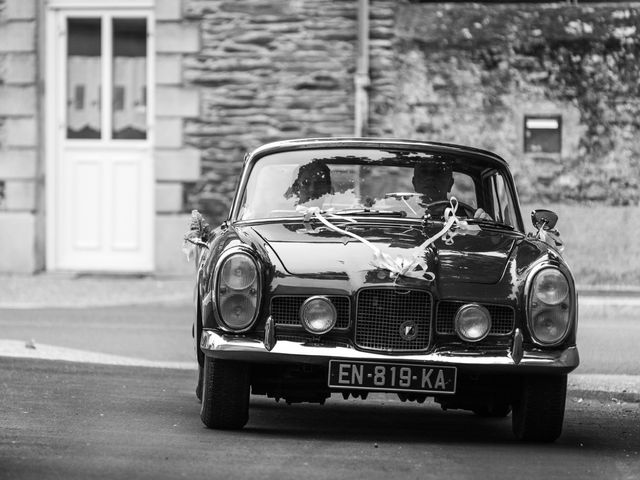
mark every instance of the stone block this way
{"type": "Point", "coordinates": [18, 37]}
{"type": "Point", "coordinates": [21, 132]}
{"type": "Point", "coordinates": [17, 100]}
{"type": "Point", "coordinates": [17, 242]}
{"type": "Point", "coordinates": [20, 68]}
{"type": "Point", "coordinates": [169, 132]}
{"type": "Point", "coordinates": [20, 9]}
{"type": "Point", "coordinates": [174, 165]}
{"type": "Point", "coordinates": [177, 37]}
{"type": "Point", "coordinates": [168, 69]}
{"type": "Point", "coordinates": [168, 10]}
{"type": "Point", "coordinates": [168, 197]}
{"type": "Point", "coordinates": [20, 196]}
{"type": "Point", "coordinates": [170, 231]}
{"type": "Point", "coordinates": [18, 164]}
{"type": "Point", "coordinates": [175, 102]}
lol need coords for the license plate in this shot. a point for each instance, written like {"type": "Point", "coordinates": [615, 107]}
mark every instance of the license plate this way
{"type": "Point", "coordinates": [398, 377]}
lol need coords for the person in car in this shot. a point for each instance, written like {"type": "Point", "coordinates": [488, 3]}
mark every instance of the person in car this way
{"type": "Point", "coordinates": [433, 181]}
{"type": "Point", "coordinates": [312, 182]}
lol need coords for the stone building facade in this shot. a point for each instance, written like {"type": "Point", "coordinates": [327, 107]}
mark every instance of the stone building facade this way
{"type": "Point", "coordinates": [550, 86]}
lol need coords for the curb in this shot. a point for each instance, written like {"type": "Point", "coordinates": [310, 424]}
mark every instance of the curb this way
{"type": "Point", "coordinates": [602, 396]}
{"type": "Point", "coordinates": [610, 388]}
{"type": "Point", "coordinates": [28, 350]}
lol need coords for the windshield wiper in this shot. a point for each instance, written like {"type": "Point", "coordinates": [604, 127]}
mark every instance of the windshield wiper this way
{"type": "Point", "coordinates": [490, 223]}
{"type": "Point", "coordinates": [371, 212]}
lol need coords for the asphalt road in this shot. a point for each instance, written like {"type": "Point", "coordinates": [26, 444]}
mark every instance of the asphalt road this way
{"type": "Point", "coordinates": [80, 421]}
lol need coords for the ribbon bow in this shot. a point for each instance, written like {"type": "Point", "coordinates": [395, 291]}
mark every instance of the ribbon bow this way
{"type": "Point", "coordinates": [415, 266]}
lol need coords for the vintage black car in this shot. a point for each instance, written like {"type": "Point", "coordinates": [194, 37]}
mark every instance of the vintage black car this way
{"type": "Point", "coordinates": [354, 265]}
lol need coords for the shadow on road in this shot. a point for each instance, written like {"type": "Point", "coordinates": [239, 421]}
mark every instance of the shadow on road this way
{"type": "Point", "coordinates": [376, 420]}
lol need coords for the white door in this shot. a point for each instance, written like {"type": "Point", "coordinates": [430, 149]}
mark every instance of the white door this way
{"type": "Point", "coordinates": [100, 174]}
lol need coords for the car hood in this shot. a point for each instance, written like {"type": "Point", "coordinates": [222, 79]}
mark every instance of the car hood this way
{"type": "Point", "coordinates": [479, 257]}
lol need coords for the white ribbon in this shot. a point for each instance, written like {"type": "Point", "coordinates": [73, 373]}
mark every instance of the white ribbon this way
{"type": "Point", "coordinates": [416, 266]}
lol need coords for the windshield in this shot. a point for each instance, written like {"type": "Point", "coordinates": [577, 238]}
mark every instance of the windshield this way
{"type": "Point", "coordinates": [358, 181]}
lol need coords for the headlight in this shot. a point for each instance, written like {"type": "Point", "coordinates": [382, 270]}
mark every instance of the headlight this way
{"type": "Point", "coordinates": [238, 272]}
{"type": "Point", "coordinates": [551, 287]}
{"type": "Point", "coordinates": [473, 322]}
{"type": "Point", "coordinates": [549, 307]}
{"type": "Point", "coordinates": [237, 291]}
{"type": "Point", "coordinates": [550, 325]}
{"type": "Point", "coordinates": [318, 315]}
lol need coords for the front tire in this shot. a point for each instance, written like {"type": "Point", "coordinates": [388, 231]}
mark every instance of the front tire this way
{"type": "Point", "coordinates": [538, 411]}
{"type": "Point", "coordinates": [225, 394]}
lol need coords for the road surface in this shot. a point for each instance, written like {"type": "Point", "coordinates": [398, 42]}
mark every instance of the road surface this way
{"type": "Point", "coordinates": [80, 421]}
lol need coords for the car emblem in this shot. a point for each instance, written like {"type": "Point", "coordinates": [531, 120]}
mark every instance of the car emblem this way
{"type": "Point", "coordinates": [408, 330]}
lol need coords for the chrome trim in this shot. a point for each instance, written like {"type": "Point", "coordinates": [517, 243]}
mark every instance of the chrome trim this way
{"type": "Point", "coordinates": [304, 322]}
{"type": "Point", "coordinates": [461, 310]}
{"type": "Point", "coordinates": [270, 334]}
{"type": "Point", "coordinates": [248, 349]}
{"type": "Point", "coordinates": [528, 286]}
{"type": "Point", "coordinates": [242, 249]}
{"type": "Point", "coordinates": [516, 350]}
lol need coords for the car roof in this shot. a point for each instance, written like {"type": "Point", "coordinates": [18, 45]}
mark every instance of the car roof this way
{"type": "Point", "coordinates": [376, 143]}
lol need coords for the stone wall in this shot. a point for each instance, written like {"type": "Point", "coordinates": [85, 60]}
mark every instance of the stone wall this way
{"type": "Point", "coordinates": [18, 136]}
{"type": "Point", "coordinates": [469, 73]}
{"type": "Point", "coordinates": [266, 71]}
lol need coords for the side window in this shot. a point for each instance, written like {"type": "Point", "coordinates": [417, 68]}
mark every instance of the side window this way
{"type": "Point", "coordinates": [501, 200]}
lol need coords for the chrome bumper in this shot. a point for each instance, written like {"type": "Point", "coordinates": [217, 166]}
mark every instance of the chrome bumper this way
{"type": "Point", "coordinates": [514, 360]}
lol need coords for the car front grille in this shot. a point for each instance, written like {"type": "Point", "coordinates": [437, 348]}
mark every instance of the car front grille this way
{"type": "Point", "coordinates": [393, 320]}
{"type": "Point", "coordinates": [502, 318]}
{"type": "Point", "coordinates": [285, 310]}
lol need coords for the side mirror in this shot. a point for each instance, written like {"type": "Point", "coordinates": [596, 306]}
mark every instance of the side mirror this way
{"type": "Point", "coordinates": [545, 219]}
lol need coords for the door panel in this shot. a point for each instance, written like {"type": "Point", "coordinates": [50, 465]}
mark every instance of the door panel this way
{"type": "Point", "coordinates": [101, 224]}
{"type": "Point", "coordinates": [125, 220]}
{"type": "Point", "coordinates": [86, 224]}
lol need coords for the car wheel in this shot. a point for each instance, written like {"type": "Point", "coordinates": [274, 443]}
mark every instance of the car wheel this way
{"type": "Point", "coordinates": [225, 394]}
{"type": "Point", "coordinates": [495, 410]}
{"type": "Point", "coordinates": [538, 412]}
